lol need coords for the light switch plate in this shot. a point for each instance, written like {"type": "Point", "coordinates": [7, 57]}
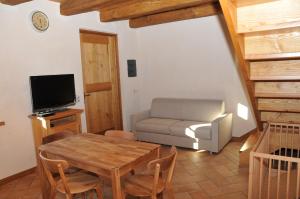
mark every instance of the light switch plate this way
{"type": "Point", "coordinates": [131, 67]}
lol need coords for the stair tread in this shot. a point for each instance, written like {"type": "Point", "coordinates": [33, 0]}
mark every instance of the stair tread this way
{"type": "Point", "coordinates": [272, 56]}
{"type": "Point", "coordinates": [281, 111]}
{"type": "Point", "coordinates": [267, 28]}
{"type": "Point", "coordinates": [277, 95]}
{"type": "Point", "coordinates": [267, 78]}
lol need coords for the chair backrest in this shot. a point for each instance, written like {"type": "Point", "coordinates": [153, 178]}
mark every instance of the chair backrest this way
{"type": "Point", "coordinates": [55, 166]}
{"type": "Point", "coordinates": [120, 134]}
{"type": "Point", "coordinates": [57, 136]}
{"type": "Point", "coordinates": [166, 165]}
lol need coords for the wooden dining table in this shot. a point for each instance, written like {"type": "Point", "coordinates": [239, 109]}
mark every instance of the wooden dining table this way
{"type": "Point", "coordinates": [105, 156]}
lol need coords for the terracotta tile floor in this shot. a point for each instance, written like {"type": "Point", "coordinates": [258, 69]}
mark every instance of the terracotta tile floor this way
{"type": "Point", "coordinates": [198, 175]}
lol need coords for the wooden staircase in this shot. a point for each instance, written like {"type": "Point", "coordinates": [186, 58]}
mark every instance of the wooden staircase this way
{"type": "Point", "coordinates": [266, 39]}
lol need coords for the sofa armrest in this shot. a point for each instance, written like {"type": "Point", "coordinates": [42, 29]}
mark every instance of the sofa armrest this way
{"type": "Point", "coordinates": [221, 131]}
{"type": "Point", "coordinates": [138, 117]}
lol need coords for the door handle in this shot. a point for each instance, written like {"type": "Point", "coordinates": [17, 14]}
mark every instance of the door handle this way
{"type": "Point", "coordinates": [87, 94]}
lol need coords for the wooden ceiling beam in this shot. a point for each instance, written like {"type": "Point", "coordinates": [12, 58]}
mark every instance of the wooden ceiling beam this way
{"type": "Point", "coordinates": [72, 7]}
{"type": "Point", "coordinates": [137, 8]}
{"type": "Point", "coordinates": [13, 2]}
{"type": "Point", "coordinates": [176, 15]}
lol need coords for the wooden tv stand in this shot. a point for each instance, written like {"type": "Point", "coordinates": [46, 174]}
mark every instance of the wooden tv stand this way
{"type": "Point", "coordinates": [60, 121]}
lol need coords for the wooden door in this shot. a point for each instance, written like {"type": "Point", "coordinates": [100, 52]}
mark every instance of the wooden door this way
{"type": "Point", "coordinates": [101, 81]}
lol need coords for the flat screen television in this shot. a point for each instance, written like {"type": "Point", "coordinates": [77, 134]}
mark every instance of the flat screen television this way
{"type": "Point", "coordinates": [50, 93]}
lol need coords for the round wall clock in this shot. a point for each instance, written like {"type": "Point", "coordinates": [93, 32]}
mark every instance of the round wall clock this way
{"type": "Point", "coordinates": [40, 21]}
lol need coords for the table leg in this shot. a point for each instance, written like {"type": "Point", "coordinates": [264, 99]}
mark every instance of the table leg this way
{"type": "Point", "coordinates": [116, 184]}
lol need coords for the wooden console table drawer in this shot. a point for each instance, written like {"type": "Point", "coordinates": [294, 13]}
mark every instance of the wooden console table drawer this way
{"type": "Point", "coordinates": [71, 126]}
{"type": "Point", "coordinates": [67, 120]}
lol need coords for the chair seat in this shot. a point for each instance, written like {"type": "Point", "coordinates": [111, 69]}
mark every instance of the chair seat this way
{"type": "Point", "coordinates": [193, 129]}
{"type": "Point", "coordinates": [141, 185]}
{"type": "Point", "coordinates": [79, 182]}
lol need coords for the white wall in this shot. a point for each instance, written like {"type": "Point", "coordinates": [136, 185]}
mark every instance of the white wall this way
{"type": "Point", "coordinates": [191, 59]}
{"type": "Point", "coordinates": [129, 85]}
{"type": "Point", "coordinates": [184, 59]}
{"type": "Point", "coordinates": [25, 52]}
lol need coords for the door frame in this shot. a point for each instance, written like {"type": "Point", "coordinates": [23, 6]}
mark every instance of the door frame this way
{"type": "Point", "coordinates": [115, 36]}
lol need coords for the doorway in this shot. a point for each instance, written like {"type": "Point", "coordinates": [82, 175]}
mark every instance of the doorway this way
{"type": "Point", "coordinates": [101, 80]}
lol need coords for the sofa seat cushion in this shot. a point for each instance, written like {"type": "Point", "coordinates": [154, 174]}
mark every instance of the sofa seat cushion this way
{"type": "Point", "coordinates": [155, 125]}
{"type": "Point", "coordinates": [193, 129]}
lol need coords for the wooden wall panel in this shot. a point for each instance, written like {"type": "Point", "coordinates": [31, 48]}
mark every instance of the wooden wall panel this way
{"type": "Point", "coordinates": [99, 105]}
{"type": "Point", "coordinates": [94, 38]}
{"type": "Point", "coordinates": [275, 70]}
{"type": "Point", "coordinates": [103, 86]}
{"type": "Point", "coordinates": [285, 105]}
{"type": "Point", "coordinates": [277, 89]}
{"type": "Point", "coordinates": [268, 16]}
{"type": "Point", "coordinates": [96, 63]}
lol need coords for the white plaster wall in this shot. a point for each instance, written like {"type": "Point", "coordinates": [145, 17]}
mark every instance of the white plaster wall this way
{"type": "Point", "coordinates": [184, 59]}
{"type": "Point", "coordinates": [191, 59]}
{"type": "Point", "coordinates": [25, 52]}
{"type": "Point", "coordinates": [129, 85]}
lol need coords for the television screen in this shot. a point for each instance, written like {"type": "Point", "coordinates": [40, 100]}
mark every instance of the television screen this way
{"type": "Point", "coordinates": [51, 92]}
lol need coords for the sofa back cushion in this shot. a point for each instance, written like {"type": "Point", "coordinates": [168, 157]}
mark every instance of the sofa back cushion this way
{"type": "Point", "coordinates": [202, 110]}
{"type": "Point", "coordinates": [166, 108]}
{"type": "Point", "coordinates": [187, 109]}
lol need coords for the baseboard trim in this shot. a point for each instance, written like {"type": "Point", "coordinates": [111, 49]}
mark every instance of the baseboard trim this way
{"type": "Point", "coordinates": [16, 176]}
{"type": "Point", "coordinates": [240, 139]}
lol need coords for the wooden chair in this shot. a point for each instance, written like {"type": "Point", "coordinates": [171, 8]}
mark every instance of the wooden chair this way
{"type": "Point", "coordinates": [75, 183]}
{"type": "Point", "coordinates": [158, 180]}
{"type": "Point", "coordinates": [59, 136]}
{"type": "Point", "coordinates": [120, 134]}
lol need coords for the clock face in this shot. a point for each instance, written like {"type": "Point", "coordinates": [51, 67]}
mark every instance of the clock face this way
{"type": "Point", "coordinates": [40, 21]}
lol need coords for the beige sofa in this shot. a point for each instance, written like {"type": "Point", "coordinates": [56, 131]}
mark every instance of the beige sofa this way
{"type": "Point", "coordinates": [192, 123]}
